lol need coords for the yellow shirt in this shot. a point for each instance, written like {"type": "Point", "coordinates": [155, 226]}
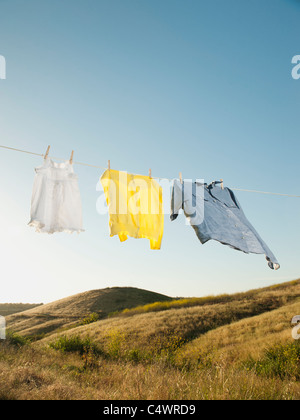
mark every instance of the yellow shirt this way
{"type": "Point", "coordinates": [135, 206]}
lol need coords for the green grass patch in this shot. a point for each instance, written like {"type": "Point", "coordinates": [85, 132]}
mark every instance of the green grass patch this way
{"type": "Point", "coordinates": [89, 319]}
{"type": "Point", "coordinates": [75, 344]}
{"type": "Point", "coordinates": [15, 339]}
{"type": "Point", "coordinates": [282, 360]}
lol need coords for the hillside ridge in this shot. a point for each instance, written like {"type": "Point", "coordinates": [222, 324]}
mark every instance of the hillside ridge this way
{"type": "Point", "coordinates": [69, 310]}
{"type": "Point", "coordinates": [116, 302]}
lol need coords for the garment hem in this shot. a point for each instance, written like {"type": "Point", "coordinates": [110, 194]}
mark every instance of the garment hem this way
{"type": "Point", "coordinates": [39, 226]}
{"type": "Point", "coordinates": [125, 234]}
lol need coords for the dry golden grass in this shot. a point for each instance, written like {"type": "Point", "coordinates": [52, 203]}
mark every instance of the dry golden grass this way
{"type": "Point", "coordinates": [245, 338]}
{"type": "Point", "coordinates": [196, 352]}
{"type": "Point", "coordinates": [45, 374]}
{"type": "Point", "coordinates": [143, 332]}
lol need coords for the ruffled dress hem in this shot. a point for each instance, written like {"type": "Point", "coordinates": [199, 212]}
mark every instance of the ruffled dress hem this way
{"type": "Point", "coordinates": [40, 228]}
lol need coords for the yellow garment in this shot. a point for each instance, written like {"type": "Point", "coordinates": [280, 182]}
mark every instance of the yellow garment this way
{"type": "Point", "coordinates": [135, 206]}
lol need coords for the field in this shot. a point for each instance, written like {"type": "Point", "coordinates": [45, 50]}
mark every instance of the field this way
{"type": "Point", "coordinates": [231, 347]}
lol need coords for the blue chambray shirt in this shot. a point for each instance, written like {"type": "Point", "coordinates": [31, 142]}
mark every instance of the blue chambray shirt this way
{"type": "Point", "coordinates": [215, 213]}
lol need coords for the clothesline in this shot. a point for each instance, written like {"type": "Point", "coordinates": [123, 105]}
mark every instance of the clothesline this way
{"type": "Point", "coordinates": [102, 167]}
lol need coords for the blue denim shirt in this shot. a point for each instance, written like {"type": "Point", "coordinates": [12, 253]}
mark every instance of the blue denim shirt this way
{"type": "Point", "coordinates": [216, 214]}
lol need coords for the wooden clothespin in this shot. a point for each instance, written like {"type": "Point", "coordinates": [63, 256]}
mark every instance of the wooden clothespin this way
{"type": "Point", "coordinates": [108, 165]}
{"type": "Point", "coordinates": [150, 174]}
{"type": "Point", "coordinates": [47, 153]}
{"type": "Point", "coordinates": [71, 158]}
{"type": "Point", "coordinates": [222, 184]}
{"type": "Point", "coordinates": [180, 177]}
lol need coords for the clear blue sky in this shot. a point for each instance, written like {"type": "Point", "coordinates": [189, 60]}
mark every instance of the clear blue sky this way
{"type": "Point", "coordinates": [198, 87]}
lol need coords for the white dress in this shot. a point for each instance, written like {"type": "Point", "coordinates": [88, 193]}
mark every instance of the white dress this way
{"type": "Point", "coordinates": [56, 202]}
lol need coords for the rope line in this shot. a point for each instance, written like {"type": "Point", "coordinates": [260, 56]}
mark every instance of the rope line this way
{"type": "Point", "coordinates": [102, 167]}
{"type": "Point", "coordinates": [266, 192]}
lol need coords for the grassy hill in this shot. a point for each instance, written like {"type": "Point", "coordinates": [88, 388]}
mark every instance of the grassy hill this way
{"type": "Point", "coordinates": [75, 309]}
{"type": "Point", "coordinates": [235, 346]}
{"type": "Point", "coordinates": [145, 332]}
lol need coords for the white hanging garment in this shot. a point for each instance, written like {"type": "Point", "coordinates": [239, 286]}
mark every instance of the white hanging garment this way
{"type": "Point", "coordinates": [56, 202]}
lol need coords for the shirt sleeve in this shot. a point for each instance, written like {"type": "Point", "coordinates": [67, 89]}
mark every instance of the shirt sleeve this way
{"type": "Point", "coordinates": [176, 199]}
